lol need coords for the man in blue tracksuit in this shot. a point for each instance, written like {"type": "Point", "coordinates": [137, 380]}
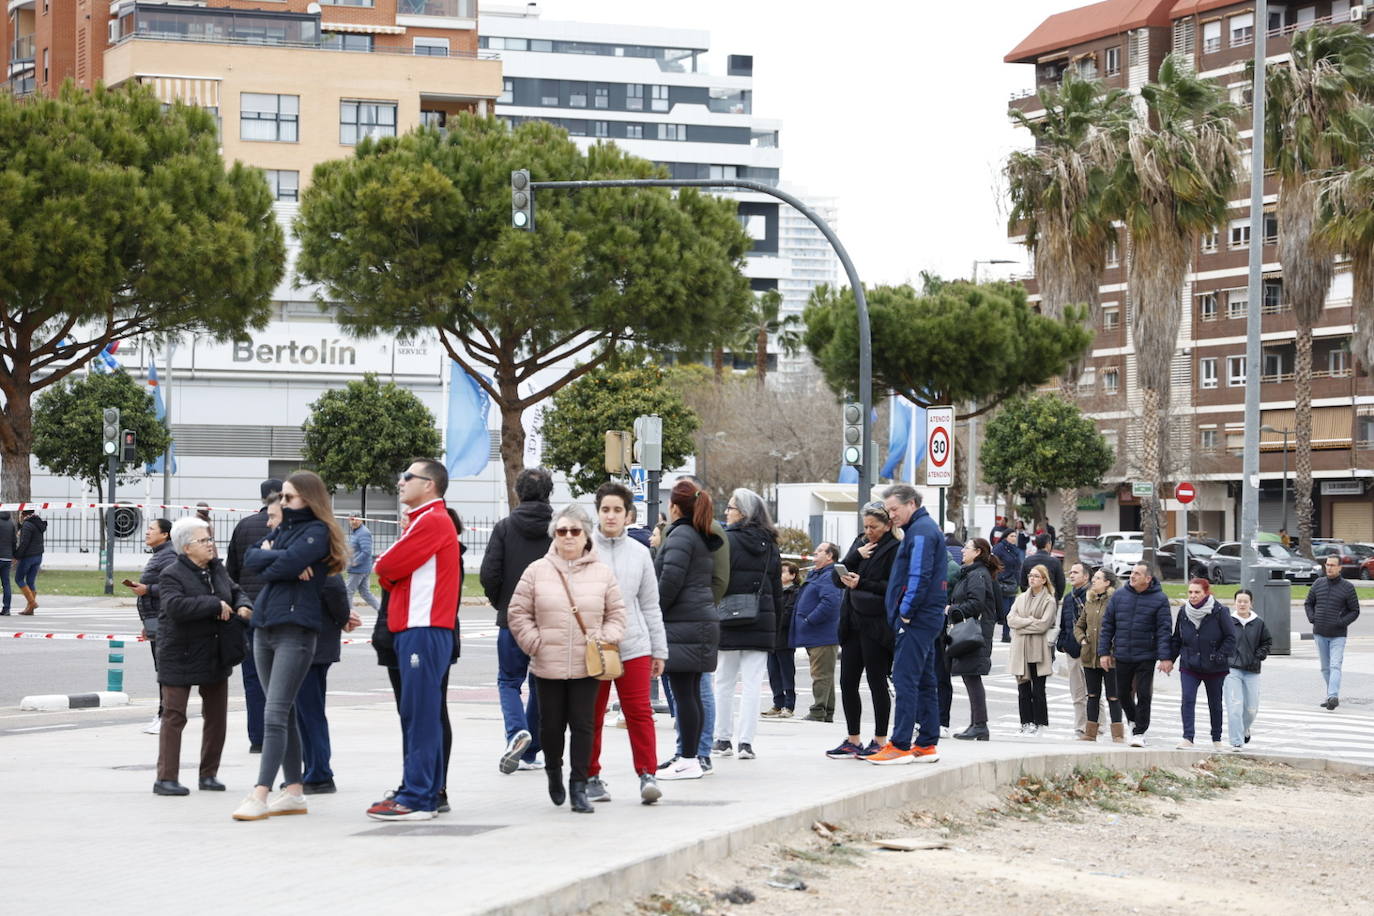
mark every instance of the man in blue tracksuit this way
{"type": "Point", "coordinates": [916, 598]}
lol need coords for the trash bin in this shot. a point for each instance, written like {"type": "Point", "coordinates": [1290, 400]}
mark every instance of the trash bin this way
{"type": "Point", "coordinates": [1274, 604]}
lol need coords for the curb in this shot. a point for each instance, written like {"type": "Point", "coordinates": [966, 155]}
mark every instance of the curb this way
{"type": "Point", "coordinates": [57, 701]}
{"type": "Point", "coordinates": [638, 878]}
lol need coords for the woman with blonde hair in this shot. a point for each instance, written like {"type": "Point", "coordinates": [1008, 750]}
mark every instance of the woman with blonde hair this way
{"type": "Point", "coordinates": [1032, 615]}
{"type": "Point", "coordinates": [306, 547]}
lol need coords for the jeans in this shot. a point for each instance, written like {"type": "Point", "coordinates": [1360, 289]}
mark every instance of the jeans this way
{"type": "Point", "coordinates": [1187, 709]}
{"type": "Point", "coordinates": [782, 678]}
{"type": "Point", "coordinates": [423, 654]}
{"type": "Point", "coordinates": [26, 572]}
{"type": "Point", "coordinates": [1098, 680]}
{"type": "Point", "coordinates": [913, 676]}
{"type": "Point", "coordinates": [569, 706]}
{"type": "Point", "coordinates": [512, 671]}
{"type": "Point", "coordinates": [862, 654]}
{"type": "Point", "coordinates": [254, 698]}
{"type": "Point", "coordinates": [5, 578]}
{"type": "Point", "coordinates": [1242, 703]}
{"type": "Point", "coordinates": [632, 688]}
{"type": "Point", "coordinates": [358, 585]}
{"type": "Point", "coordinates": [1031, 698]}
{"type": "Point", "coordinates": [1135, 683]}
{"type": "Point", "coordinates": [314, 725]}
{"type": "Point", "coordinates": [748, 666]}
{"type": "Point", "coordinates": [283, 654]}
{"type": "Point", "coordinates": [823, 681]}
{"type": "Point", "coordinates": [1331, 652]}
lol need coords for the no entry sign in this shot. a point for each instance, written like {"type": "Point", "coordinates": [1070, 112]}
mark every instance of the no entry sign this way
{"type": "Point", "coordinates": [939, 446]}
{"type": "Point", "coordinates": [1185, 493]}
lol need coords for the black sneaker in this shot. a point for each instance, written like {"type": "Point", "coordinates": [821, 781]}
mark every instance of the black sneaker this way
{"type": "Point", "coordinates": [596, 790]}
{"type": "Point", "coordinates": [1332, 702]}
{"type": "Point", "coordinates": [722, 748]}
{"type": "Point", "coordinates": [746, 752]}
{"type": "Point", "coordinates": [443, 806]}
{"type": "Point", "coordinates": [319, 788]}
{"type": "Point", "coordinates": [705, 765]}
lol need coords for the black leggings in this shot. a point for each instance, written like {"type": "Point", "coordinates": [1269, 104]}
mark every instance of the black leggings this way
{"type": "Point", "coordinates": [1031, 694]}
{"type": "Point", "coordinates": [862, 655]}
{"type": "Point", "coordinates": [568, 705]}
{"type": "Point", "coordinates": [1097, 679]}
{"type": "Point", "coordinates": [394, 675]}
{"type": "Point", "coordinates": [691, 715]}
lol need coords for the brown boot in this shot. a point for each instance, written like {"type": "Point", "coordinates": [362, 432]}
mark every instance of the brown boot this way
{"type": "Point", "coordinates": [1118, 733]}
{"type": "Point", "coordinates": [30, 597]}
{"type": "Point", "coordinates": [1089, 732]}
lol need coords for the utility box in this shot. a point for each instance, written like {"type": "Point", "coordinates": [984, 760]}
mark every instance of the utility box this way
{"type": "Point", "coordinates": [1274, 605]}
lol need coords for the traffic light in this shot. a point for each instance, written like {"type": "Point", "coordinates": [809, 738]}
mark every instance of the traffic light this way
{"type": "Point", "coordinates": [853, 434]}
{"type": "Point", "coordinates": [128, 453]}
{"type": "Point", "coordinates": [649, 442]}
{"type": "Point", "coordinates": [521, 200]}
{"type": "Point", "coordinates": [111, 432]}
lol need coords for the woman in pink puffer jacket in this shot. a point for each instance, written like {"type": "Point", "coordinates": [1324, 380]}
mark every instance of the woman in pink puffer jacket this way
{"type": "Point", "coordinates": [540, 616]}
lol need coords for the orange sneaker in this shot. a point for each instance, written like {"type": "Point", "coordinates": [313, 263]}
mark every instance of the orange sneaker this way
{"type": "Point", "coordinates": [925, 754]}
{"type": "Point", "coordinates": [890, 755]}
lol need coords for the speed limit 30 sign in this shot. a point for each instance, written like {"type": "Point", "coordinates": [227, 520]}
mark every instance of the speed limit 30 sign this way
{"type": "Point", "coordinates": [939, 446]}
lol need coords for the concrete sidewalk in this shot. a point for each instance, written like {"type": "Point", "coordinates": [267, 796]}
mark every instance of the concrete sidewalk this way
{"type": "Point", "coordinates": [84, 833]}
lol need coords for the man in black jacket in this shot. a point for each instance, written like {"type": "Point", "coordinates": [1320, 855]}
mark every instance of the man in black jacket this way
{"type": "Point", "coordinates": [250, 532]}
{"type": "Point", "coordinates": [1043, 557]}
{"type": "Point", "coordinates": [1332, 607]}
{"type": "Point", "coordinates": [158, 537]}
{"type": "Point", "coordinates": [517, 541]}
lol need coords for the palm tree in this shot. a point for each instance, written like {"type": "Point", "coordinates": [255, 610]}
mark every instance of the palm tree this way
{"type": "Point", "coordinates": [766, 320]}
{"type": "Point", "coordinates": [1057, 194]}
{"type": "Point", "coordinates": [1171, 183]}
{"type": "Point", "coordinates": [1346, 223]}
{"type": "Point", "coordinates": [1311, 100]}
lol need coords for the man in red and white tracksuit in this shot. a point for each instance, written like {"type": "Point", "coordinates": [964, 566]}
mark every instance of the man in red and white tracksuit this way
{"type": "Point", "coordinates": [422, 574]}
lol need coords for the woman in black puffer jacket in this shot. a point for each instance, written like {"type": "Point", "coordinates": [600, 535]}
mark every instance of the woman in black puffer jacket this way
{"type": "Point", "coordinates": [684, 565]}
{"type": "Point", "coordinates": [755, 571]}
{"type": "Point", "coordinates": [976, 596]}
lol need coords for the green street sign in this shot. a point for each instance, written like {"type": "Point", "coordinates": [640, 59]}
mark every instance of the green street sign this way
{"type": "Point", "coordinates": [1142, 489]}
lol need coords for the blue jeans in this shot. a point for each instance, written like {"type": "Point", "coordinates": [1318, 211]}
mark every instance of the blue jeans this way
{"type": "Point", "coordinates": [423, 653]}
{"type": "Point", "coordinates": [1187, 709]}
{"type": "Point", "coordinates": [1331, 652]}
{"type": "Point", "coordinates": [283, 655]}
{"type": "Point", "coordinates": [5, 577]}
{"type": "Point", "coordinates": [708, 718]}
{"type": "Point", "coordinates": [314, 725]}
{"type": "Point", "coordinates": [1242, 704]}
{"type": "Point", "coordinates": [254, 698]}
{"type": "Point", "coordinates": [358, 585]}
{"type": "Point", "coordinates": [913, 678]}
{"type": "Point", "coordinates": [512, 672]}
{"type": "Point", "coordinates": [26, 571]}
{"type": "Point", "coordinates": [782, 677]}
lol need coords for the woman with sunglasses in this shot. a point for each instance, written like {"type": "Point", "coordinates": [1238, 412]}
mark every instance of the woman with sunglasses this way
{"type": "Point", "coordinates": [306, 547]}
{"type": "Point", "coordinates": [562, 600]}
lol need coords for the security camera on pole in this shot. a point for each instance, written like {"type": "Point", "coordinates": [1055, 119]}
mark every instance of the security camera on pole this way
{"type": "Point", "coordinates": [111, 435]}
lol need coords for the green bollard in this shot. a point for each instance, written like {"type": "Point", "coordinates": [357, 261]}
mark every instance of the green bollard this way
{"type": "Point", "coordinates": [114, 675]}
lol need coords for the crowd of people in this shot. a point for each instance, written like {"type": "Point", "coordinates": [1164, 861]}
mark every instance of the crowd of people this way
{"type": "Point", "coordinates": [702, 610]}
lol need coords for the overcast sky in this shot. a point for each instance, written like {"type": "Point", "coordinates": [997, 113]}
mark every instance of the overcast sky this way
{"type": "Point", "coordinates": [895, 107]}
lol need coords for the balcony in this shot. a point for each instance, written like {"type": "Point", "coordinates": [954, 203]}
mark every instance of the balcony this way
{"type": "Point", "coordinates": [21, 50]}
{"type": "Point", "coordinates": [442, 9]}
{"type": "Point", "coordinates": [19, 86]}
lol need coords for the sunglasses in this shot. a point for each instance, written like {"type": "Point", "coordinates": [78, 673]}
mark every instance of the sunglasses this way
{"type": "Point", "coordinates": [567, 532]}
{"type": "Point", "coordinates": [408, 476]}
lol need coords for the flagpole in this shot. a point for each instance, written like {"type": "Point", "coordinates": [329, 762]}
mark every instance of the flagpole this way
{"type": "Point", "coordinates": [167, 422]}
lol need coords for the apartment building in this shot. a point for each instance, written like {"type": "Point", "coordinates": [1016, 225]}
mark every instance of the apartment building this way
{"type": "Point", "coordinates": [1122, 43]}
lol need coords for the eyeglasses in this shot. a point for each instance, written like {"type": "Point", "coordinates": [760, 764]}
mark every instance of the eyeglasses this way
{"type": "Point", "coordinates": [408, 476]}
{"type": "Point", "coordinates": [567, 532]}
{"type": "Point", "coordinates": [206, 540]}
{"type": "Point", "coordinates": [732, 508]}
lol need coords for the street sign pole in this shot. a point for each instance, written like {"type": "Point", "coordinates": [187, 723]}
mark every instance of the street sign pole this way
{"type": "Point", "coordinates": [939, 447]}
{"type": "Point", "coordinates": [110, 528]}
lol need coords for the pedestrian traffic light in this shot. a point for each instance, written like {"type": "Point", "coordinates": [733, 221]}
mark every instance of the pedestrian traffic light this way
{"type": "Point", "coordinates": [521, 200]}
{"type": "Point", "coordinates": [128, 453]}
{"type": "Point", "coordinates": [853, 434]}
{"type": "Point", "coordinates": [111, 432]}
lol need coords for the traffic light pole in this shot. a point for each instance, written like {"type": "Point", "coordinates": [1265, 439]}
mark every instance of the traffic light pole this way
{"type": "Point", "coordinates": [110, 528]}
{"type": "Point", "coordinates": [860, 301]}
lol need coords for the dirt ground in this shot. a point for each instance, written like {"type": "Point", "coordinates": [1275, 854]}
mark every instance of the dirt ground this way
{"type": "Point", "coordinates": [1232, 835]}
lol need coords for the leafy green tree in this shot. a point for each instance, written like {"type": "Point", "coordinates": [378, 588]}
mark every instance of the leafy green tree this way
{"type": "Point", "coordinates": [1038, 444]}
{"type": "Point", "coordinates": [574, 429]}
{"type": "Point", "coordinates": [414, 232]}
{"type": "Point", "coordinates": [120, 220]}
{"type": "Point", "coordinates": [365, 433]}
{"type": "Point", "coordinates": [765, 319]}
{"type": "Point", "coordinates": [68, 426]}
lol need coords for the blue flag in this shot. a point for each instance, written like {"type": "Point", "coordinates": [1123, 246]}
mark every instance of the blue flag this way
{"type": "Point", "coordinates": [898, 436]}
{"type": "Point", "coordinates": [468, 445]}
{"type": "Point", "coordinates": [160, 410]}
{"type": "Point", "coordinates": [848, 473]}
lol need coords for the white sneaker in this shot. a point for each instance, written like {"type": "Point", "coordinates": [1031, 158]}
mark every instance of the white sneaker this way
{"type": "Point", "coordinates": [1024, 731]}
{"type": "Point", "coordinates": [250, 809]}
{"type": "Point", "coordinates": [286, 803]}
{"type": "Point", "coordinates": [1186, 745]}
{"type": "Point", "coordinates": [1137, 740]}
{"type": "Point", "coordinates": [945, 732]}
{"type": "Point", "coordinates": [1217, 746]}
{"type": "Point", "coordinates": [536, 764]}
{"type": "Point", "coordinates": [1033, 731]}
{"type": "Point", "coordinates": [686, 768]}
{"type": "Point", "coordinates": [153, 727]}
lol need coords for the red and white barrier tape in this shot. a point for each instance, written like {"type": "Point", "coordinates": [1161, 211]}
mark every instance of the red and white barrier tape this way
{"type": "Point", "coordinates": [103, 637]}
{"type": "Point", "coordinates": [52, 505]}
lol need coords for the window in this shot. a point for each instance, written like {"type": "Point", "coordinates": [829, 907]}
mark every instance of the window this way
{"type": "Point", "coordinates": [285, 185]}
{"type": "Point", "coordinates": [45, 55]}
{"type": "Point", "coordinates": [1237, 303]}
{"type": "Point", "coordinates": [1211, 36]}
{"type": "Point", "coordinates": [1113, 59]}
{"type": "Point", "coordinates": [1340, 11]}
{"type": "Point", "coordinates": [601, 96]}
{"type": "Point", "coordinates": [548, 92]}
{"type": "Point", "coordinates": [1271, 228]}
{"type": "Point", "coordinates": [634, 97]}
{"type": "Point", "coordinates": [430, 118]}
{"type": "Point", "coordinates": [1207, 372]}
{"type": "Point", "coordinates": [1242, 28]}
{"type": "Point", "coordinates": [430, 47]}
{"type": "Point", "coordinates": [1113, 253]}
{"type": "Point", "coordinates": [1207, 306]}
{"type": "Point", "coordinates": [1338, 362]}
{"type": "Point", "coordinates": [601, 128]}
{"type": "Point", "coordinates": [507, 95]}
{"type": "Point", "coordinates": [541, 44]}
{"type": "Point", "coordinates": [1209, 241]}
{"type": "Point", "coordinates": [1240, 233]}
{"type": "Point", "coordinates": [1273, 296]}
{"type": "Point", "coordinates": [1274, 365]}
{"type": "Point", "coordinates": [1136, 45]}
{"type": "Point", "coordinates": [1307, 17]}
{"type": "Point", "coordinates": [634, 131]}
{"type": "Point", "coordinates": [1111, 319]}
{"type": "Point", "coordinates": [1111, 380]}
{"type": "Point", "coordinates": [1242, 94]}
{"type": "Point", "coordinates": [724, 171]}
{"type": "Point", "coordinates": [672, 131]}
{"type": "Point", "coordinates": [577, 95]}
{"type": "Point", "coordinates": [1207, 439]}
{"type": "Point", "coordinates": [366, 119]}
{"type": "Point", "coordinates": [269, 117]}
{"type": "Point", "coordinates": [1364, 430]}
{"type": "Point", "coordinates": [345, 41]}
{"type": "Point", "coordinates": [1087, 68]}
{"type": "Point", "coordinates": [660, 98]}
{"type": "Point", "coordinates": [347, 2]}
{"type": "Point", "coordinates": [1235, 371]}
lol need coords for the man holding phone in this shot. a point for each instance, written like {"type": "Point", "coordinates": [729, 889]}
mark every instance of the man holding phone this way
{"type": "Point", "coordinates": [158, 537]}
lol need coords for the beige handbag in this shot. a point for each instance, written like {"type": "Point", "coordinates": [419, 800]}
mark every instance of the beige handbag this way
{"type": "Point", "coordinates": [603, 658]}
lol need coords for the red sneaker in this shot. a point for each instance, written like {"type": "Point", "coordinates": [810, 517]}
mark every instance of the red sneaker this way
{"type": "Point", "coordinates": [392, 810]}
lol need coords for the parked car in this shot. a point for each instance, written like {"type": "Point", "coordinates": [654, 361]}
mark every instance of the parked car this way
{"type": "Point", "coordinates": [1350, 562]}
{"type": "Point", "coordinates": [1367, 569]}
{"type": "Point", "coordinates": [1111, 537]}
{"type": "Point", "coordinates": [1124, 555]}
{"type": "Point", "coordinates": [1199, 559]}
{"type": "Point", "coordinates": [1089, 552]}
{"type": "Point", "coordinates": [1272, 556]}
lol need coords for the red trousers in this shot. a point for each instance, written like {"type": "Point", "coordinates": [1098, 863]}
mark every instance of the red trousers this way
{"type": "Point", "coordinates": [632, 688]}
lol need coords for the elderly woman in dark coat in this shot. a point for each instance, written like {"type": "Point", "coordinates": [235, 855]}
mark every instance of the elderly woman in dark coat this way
{"type": "Point", "coordinates": [198, 644]}
{"type": "Point", "coordinates": [976, 596]}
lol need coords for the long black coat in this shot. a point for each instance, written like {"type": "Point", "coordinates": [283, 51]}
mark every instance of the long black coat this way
{"type": "Point", "coordinates": [863, 608]}
{"type": "Point", "coordinates": [188, 624]}
{"type": "Point", "coordinates": [975, 595]}
{"type": "Point", "coordinates": [755, 568]}
{"type": "Point", "coordinates": [783, 634]}
{"type": "Point", "coordinates": [684, 565]}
